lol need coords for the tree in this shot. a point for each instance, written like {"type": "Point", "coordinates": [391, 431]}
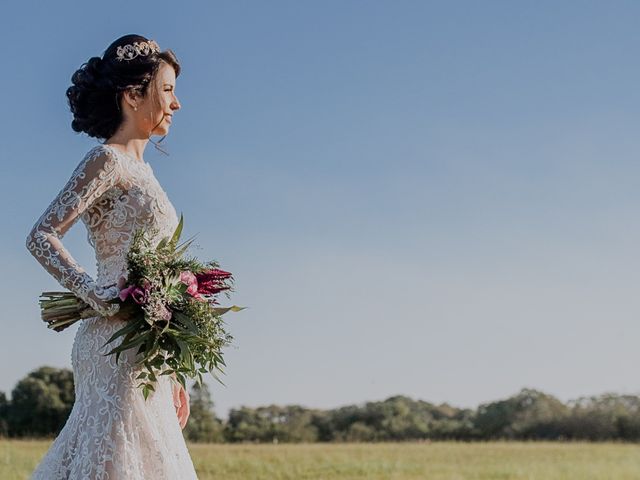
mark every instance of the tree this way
{"type": "Point", "coordinates": [41, 402]}
{"type": "Point", "coordinates": [272, 423]}
{"type": "Point", "coordinates": [605, 417]}
{"type": "Point", "coordinates": [4, 415]}
{"type": "Point", "coordinates": [203, 425]}
{"type": "Point", "coordinates": [528, 414]}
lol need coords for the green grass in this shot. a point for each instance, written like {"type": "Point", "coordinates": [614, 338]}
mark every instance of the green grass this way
{"type": "Point", "coordinates": [388, 461]}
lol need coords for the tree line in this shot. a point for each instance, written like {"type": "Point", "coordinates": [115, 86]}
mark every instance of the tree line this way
{"type": "Point", "coordinates": [41, 402]}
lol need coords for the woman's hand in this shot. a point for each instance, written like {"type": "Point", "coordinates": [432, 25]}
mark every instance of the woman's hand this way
{"type": "Point", "coordinates": [181, 403]}
{"type": "Point", "coordinates": [125, 313]}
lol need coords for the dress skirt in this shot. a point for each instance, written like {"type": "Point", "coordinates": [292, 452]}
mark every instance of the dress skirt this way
{"type": "Point", "coordinates": [112, 432]}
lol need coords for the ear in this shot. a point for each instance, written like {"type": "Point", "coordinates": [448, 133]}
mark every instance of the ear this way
{"type": "Point", "coordinates": [131, 98]}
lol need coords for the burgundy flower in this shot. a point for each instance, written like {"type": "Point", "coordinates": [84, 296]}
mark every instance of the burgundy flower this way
{"type": "Point", "coordinates": [212, 281]}
{"type": "Point", "coordinates": [140, 295]}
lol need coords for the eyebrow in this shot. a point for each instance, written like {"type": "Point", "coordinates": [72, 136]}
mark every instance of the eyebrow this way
{"type": "Point", "coordinates": [167, 84]}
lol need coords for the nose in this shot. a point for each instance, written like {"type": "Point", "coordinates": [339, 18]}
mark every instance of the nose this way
{"type": "Point", "coordinates": [175, 105]}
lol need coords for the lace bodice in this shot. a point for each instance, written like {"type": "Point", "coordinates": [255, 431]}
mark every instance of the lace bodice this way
{"type": "Point", "coordinates": [114, 194]}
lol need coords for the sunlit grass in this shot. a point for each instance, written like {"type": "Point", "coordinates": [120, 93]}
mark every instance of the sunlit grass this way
{"type": "Point", "coordinates": [388, 461]}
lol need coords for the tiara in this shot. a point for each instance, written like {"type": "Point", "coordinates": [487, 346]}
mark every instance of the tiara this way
{"type": "Point", "coordinates": [131, 51]}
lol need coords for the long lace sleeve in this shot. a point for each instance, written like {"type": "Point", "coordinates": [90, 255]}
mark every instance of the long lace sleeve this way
{"type": "Point", "coordinates": [95, 174]}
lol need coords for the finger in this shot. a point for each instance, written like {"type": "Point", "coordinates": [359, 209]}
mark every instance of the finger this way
{"type": "Point", "coordinates": [183, 419]}
{"type": "Point", "coordinates": [186, 411]}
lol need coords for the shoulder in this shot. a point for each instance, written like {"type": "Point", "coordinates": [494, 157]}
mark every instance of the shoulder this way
{"type": "Point", "coordinates": [101, 157]}
{"type": "Point", "coordinates": [99, 161]}
{"type": "Point", "coordinates": [102, 153]}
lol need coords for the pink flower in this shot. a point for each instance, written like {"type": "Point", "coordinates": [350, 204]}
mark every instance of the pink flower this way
{"type": "Point", "coordinates": [125, 292]}
{"type": "Point", "coordinates": [188, 278]}
{"type": "Point", "coordinates": [139, 295]}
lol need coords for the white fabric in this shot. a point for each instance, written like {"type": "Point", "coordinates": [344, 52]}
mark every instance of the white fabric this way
{"type": "Point", "coordinates": [112, 433]}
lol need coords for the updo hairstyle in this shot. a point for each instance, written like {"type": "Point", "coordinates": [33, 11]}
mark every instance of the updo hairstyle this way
{"type": "Point", "coordinates": [98, 86]}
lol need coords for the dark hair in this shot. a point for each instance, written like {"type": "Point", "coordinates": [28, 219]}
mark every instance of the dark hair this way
{"type": "Point", "coordinates": [98, 85]}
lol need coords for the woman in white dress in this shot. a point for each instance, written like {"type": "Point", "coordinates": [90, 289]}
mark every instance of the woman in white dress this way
{"type": "Point", "coordinates": [112, 433]}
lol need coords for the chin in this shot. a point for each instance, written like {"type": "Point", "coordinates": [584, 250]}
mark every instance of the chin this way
{"type": "Point", "coordinates": [160, 131]}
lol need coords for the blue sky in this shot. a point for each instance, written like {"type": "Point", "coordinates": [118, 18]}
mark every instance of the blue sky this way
{"type": "Point", "coordinates": [436, 199]}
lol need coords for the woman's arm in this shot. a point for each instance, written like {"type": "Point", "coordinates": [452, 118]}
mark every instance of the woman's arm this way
{"type": "Point", "coordinates": [98, 171]}
{"type": "Point", "coordinates": [180, 401]}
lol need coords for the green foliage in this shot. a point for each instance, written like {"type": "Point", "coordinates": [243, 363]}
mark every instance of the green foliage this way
{"type": "Point", "coordinates": [529, 414]}
{"type": "Point", "coordinates": [4, 415]}
{"type": "Point", "coordinates": [272, 423]}
{"type": "Point", "coordinates": [203, 425]}
{"type": "Point", "coordinates": [41, 402]}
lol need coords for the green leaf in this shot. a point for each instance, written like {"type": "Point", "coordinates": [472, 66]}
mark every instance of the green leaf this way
{"type": "Point", "coordinates": [223, 310]}
{"type": "Point", "coordinates": [218, 357]}
{"type": "Point", "coordinates": [186, 321]}
{"type": "Point", "coordinates": [152, 344]}
{"type": "Point", "coordinates": [125, 339]}
{"type": "Point", "coordinates": [158, 361]}
{"type": "Point", "coordinates": [130, 344]}
{"type": "Point", "coordinates": [184, 348]}
{"type": "Point", "coordinates": [216, 377]}
{"type": "Point", "coordinates": [184, 246]}
{"type": "Point", "coordinates": [152, 375]}
{"type": "Point", "coordinates": [162, 244]}
{"type": "Point", "coordinates": [130, 327]}
{"type": "Point", "coordinates": [176, 234]}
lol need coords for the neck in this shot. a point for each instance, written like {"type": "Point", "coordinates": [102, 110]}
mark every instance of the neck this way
{"type": "Point", "coordinates": [132, 145]}
{"type": "Point", "coordinates": [131, 138]}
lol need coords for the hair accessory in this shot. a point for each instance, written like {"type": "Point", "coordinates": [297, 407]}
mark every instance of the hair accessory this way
{"type": "Point", "coordinates": [132, 50]}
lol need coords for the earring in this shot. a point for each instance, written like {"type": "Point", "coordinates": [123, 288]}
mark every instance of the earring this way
{"type": "Point", "coordinates": [135, 108]}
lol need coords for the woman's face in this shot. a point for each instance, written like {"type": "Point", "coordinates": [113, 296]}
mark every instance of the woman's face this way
{"type": "Point", "coordinates": [155, 111]}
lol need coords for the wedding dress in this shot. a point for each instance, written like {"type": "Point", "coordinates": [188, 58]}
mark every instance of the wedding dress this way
{"type": "Point", "coordinates": [112, 433]}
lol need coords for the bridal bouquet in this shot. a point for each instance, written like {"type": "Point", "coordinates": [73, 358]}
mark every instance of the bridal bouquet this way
{"type": "Point", "coordinates": [175, 321]}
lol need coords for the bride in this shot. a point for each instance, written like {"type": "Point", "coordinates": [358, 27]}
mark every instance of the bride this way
{"type": "Point", "coordinates": [112, 432]}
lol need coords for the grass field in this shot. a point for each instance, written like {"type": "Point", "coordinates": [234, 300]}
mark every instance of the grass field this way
{"type": "Point", "coordinates": [408, 461]}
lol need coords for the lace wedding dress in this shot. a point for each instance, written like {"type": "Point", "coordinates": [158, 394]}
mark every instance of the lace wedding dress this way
{"type": "Point", "coordinates": [112, 433]}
